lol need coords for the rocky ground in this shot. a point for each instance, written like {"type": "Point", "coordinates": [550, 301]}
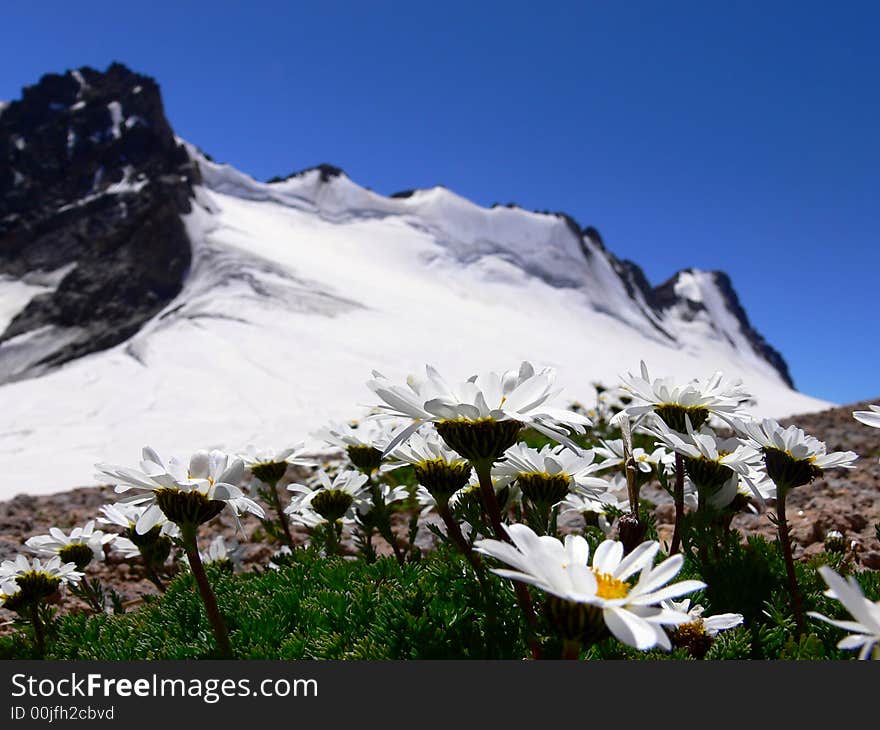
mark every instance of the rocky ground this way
{"type": "Point", "coordinates": [844, 500]}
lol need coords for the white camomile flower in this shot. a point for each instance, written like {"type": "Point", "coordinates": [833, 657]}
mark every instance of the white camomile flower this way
{"type": "Point", "coordinates": [481, 417]}
{"type": "Point", "coordinates": [547, 475]}
{"type": "Point", "coordinates": [711, 625]}
{"type": "Point", "coordinates": [364, 442]}
{"type": "Point", "coordinates": [269, 465]}
{"type": "Point", "coordinates": [386, 494]}
{"type": "Point", "coordinates": [8, 589]}
{"type": "Point", "coordinates": [220, 551]}
{"type": "Point", "coordinates": [185, 494]}
{"type": "Point", "coordinates": [610, 451]}
{"type": "Point", "coordinates": [621, 593]}
{"type": "Point", "coordinates": [706, 445]}
{"type": "Point", "coordinates": [329, 500]}
{"type": "Point", "coordinates": [865, 628]}
{"type": "Point", "coordinates": [81, 546]}
{"type": "Point", "coordinates": [20, 566]}
{"type": "Point", "coordinates": [870, 417]}
{"type": "Point", "coordinates": [438, 469]}
{"type": "Point", "coordinates": [714, 465]}
{"type": "Point", "coordinates": [791, 457]}
{"type": "Point", "coordinates": [698, 634]}
{"type": "Point", "coordinates": [126, 516]}
{"type": "Point", "coordinates": [35, 579]}
{"type": "Point", "coordinates": [696, 399]}
{"type": "Point", "coordinates": [594, 510]}
{"type": "Point", "coordinates": [279, 554]}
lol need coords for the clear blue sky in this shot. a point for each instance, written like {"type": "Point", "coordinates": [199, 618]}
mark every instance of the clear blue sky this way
{"type": "Point", "coordinates": [738, 136]}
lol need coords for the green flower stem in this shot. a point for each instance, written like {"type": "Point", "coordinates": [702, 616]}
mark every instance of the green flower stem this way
{"type": "Point", "coordinates": [785, 543]}
{"type": "Point", "coordinates": [456, 535]}
{"type": "Point", "coordinates": [333, 538]}
{"type": "Point", "coordinates": [384, 521]}
{"type": "Point", "coordinates": [678, 496]}
{"type": "Point", "coordinates": [490, 501]}
{"type": "Point", "coordinates": [39, 631]}
{"type": "Point", "coordinates": [629, 466]}
{"type": "Point", "coordinates": [221, 635]}
{"type": "Point", "coordinates": [279, 510]}
{"type": "Point", "coordinates": [483, 470]}
{"type": "Point", "coordinates": [153, 577]}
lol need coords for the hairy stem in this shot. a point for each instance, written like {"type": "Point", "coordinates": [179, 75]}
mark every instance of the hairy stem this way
{"type": "Point", "coordinates": [383, 524]}
{"type": "Point", "coordinates": [154, 578]}
{"type": "Point", "coordinates": [678, 496]}
{"type": "Point", "coordinates": [275, 499]}
{"type": "Point", "coordinates": [785, 543]}
{"type": "Point", "coordinates": [490, 501]}
{"type": "Point", "coordinates": [221, 635]}
{"type": "Point", "coordinates": [490, 504]}
{"type": "Point", "coordinates": [39, 632]}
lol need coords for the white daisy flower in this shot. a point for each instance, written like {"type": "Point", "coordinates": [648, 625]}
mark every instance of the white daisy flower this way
{"type": "Point", "coordinates": [572, 471]}
{"type": "Point", "coordinates": [20, 570]}
{"type": "Point", "coordinates": [8, 589]}
{"type": "Point", "coordinates": [81, 546]}
{"type": "Point", "coordinates": [185, 494]}
{"type": "Point", "coordinates": [593, 509]}
{"type": "Point", "coordinates": [711, 625]}
{"type": "Point", "coordinates": [625, 592]}
{"type": "Point", "coordinates": [281, 552]}
{"type": "Point", "coordinates": [469, 415]}
{"type": "Point", "coordinates": [126, 516]}
{"type": "Point", "coordinates": [792, 458]}
{"type": "Point", "coordinates": [672, 402]}
{"type": "Point", "coordinates": [367, 433]}
{"type": "Point", "coordinates": [329, 500]}
{"type": "Point", "coordinates": [438, 469]}
{"type": "Point", "coordinates": [869, 418]}
{"type": "Point", "coordinates": [219, 551]}
{"type": "Point", "coordinates": [714, 466]}
{"type": "Point", "coordinates": [865, 627]}
{"type": "Point", "coordinates": [269, 465]}
{"type": "Point", "coordinates": [611, 453]}
{"type": "Point", "coordinates": [364, 442]}
{"type": "Point", "coordinates": [707, 446]}
{"type": "Point", "coordinates": [424, 446]}
{"type": "Point", "coordinates": [698, 634]}
{"type": "Point", "coordinates": [385, 494]}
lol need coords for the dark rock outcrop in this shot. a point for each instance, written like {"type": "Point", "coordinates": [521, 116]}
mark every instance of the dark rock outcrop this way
{"type": "Point", "coordinates": [92, 178]}
{"type": "Point", "coordinates": [328, 172]}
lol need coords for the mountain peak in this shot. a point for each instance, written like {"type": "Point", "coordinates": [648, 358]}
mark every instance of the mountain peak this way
{"type": "Point", "coordinates": [92, 183]}
{"type": "Point", "coordinates": [695, 295]}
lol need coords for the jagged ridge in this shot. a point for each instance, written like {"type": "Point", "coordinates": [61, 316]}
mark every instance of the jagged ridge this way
{"type": "Point", "coordinates": [92, 175]}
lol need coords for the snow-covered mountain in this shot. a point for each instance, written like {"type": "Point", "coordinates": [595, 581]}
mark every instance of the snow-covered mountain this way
{"type": "Point", "coordinates": [151, 295]}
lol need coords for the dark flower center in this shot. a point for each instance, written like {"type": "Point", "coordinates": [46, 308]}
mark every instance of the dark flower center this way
{"type": "Point", "coordinates": [442, 478]}
{"type": "Point", "coordinates": [482, 440]}
{"type": "Point", "coordinates": [331, 504]}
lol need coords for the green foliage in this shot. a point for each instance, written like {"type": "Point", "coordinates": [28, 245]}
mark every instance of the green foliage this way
{"type": "Point", "coordinates": [315, 607]}
{"type": "Point", "coordinates": [312, 607]}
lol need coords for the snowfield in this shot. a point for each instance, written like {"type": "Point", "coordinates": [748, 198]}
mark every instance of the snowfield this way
{"type": "Point", "coordinates": [299, 289]}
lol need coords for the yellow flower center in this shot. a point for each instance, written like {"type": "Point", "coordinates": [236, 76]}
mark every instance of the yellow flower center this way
{"type": "Point", "coordinates": [610, 587]}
